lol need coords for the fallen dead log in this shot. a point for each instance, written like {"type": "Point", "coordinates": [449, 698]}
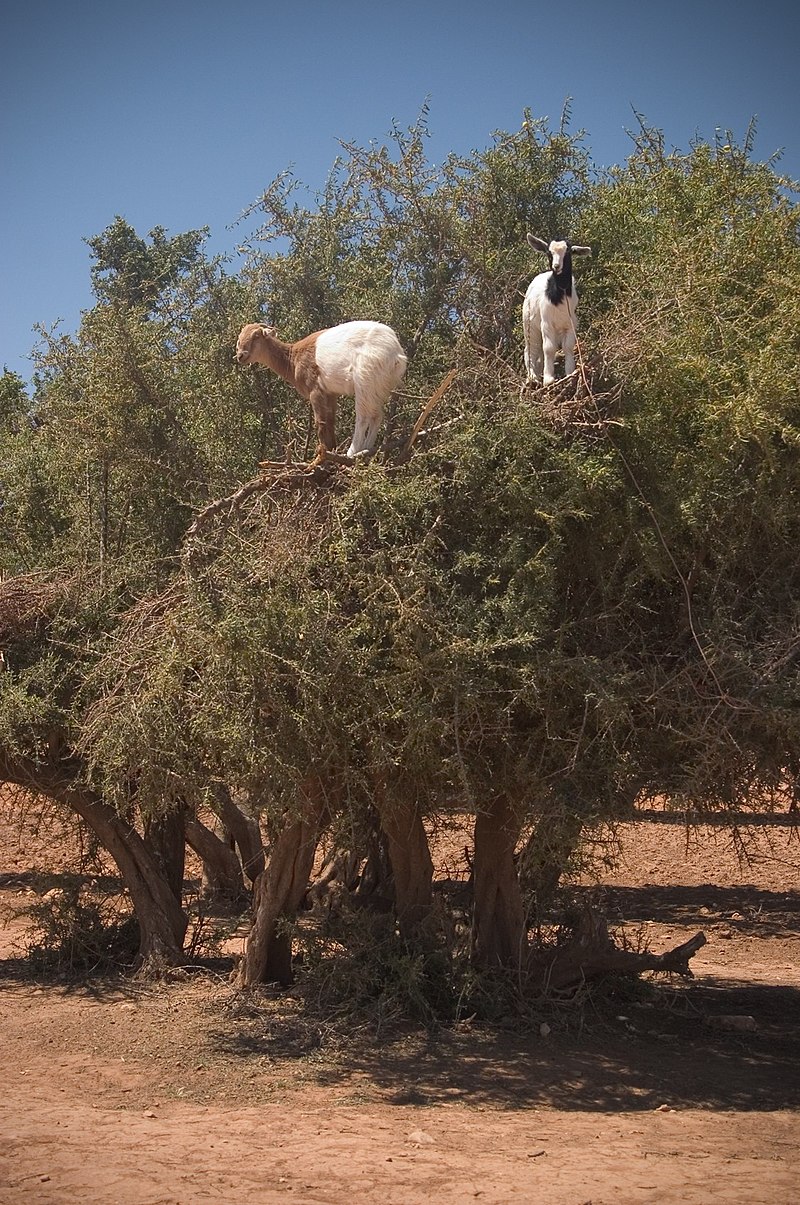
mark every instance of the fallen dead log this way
{"type": "Point", "coordinates": [591, 952]}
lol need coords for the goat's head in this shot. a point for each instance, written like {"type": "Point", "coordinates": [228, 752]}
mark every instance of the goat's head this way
{"type": "Point", "coordinates": [247, 343]}
{"type": "Point", "coordinates": [559, 251]}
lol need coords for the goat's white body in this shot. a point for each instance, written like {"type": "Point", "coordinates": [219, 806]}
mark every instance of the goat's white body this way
{"type": "Point", "coordinates": [547, 328]}
{"type": "Point", "coordinates": [362, 360]}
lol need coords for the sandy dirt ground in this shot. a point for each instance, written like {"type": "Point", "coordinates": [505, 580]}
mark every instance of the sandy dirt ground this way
{"type": "Point", "coordinates": [114, 1092]}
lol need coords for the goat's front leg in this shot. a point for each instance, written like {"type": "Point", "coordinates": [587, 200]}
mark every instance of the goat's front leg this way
{"type": "Point", "coordinates": [323, 406]}
{"type": "Point", "coordinates": [550, 347]}
{"type": "Point", "coordinates": [570, 340]}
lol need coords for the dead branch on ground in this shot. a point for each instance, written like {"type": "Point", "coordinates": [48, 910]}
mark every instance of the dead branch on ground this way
{"type": "Point", "coordinates": [591, 952]}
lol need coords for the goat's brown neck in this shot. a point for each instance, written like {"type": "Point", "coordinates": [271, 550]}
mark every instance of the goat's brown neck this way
{"type": "Point", "coordinates": [277, 356]}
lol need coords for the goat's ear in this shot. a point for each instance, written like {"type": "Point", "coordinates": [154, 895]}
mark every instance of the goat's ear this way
{"type": "Point", "coordinates": [539, 244]}
{"type": "Point", "coordinates": [268, 330]}
{"type": "Point", "coordinates": [581, 250]}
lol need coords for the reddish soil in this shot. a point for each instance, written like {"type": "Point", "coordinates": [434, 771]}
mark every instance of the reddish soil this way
{"type": "Point", "coordinates": [123, 1093]}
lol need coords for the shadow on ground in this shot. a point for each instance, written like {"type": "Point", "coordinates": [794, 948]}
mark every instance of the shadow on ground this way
{"type": "Point", "coordinates": [675, 1049]}
{"type": "Point", "coordinates": [747, 909]}
{"type": "Point", "coordinates": [627, 1047]}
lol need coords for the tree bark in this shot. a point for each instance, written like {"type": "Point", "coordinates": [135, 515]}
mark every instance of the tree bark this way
{"type": "Point", "coordinates": [375, 887]}
{"type": "Point", "coordinates": [412, 866]}
{"type": "Point", "coordinates": [339, 867]}
{"type": "Point", "coordinates": [547, 852]}
{"type": "Point", "coordinates": [279, 890]}
{"type": "Point", "coordinates": [499, 936]}
{"type": "Point", "coordinates": [222, 872]}
{"type": "Point", "coordinates": [161, 919]}
{"type": "Point", "coordinates": [244, 830]}
{"type": "Point", "coordinates": [167, 838]}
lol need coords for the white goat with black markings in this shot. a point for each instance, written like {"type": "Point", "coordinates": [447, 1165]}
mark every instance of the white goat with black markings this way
{"type": "Point", "coordinates": [363, 360]}
{"type": "Point", "coordinates": [549, 312]}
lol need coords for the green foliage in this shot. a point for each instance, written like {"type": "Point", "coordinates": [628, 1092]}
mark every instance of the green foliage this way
{"type": "Point", "coordinates": [697, 292]}
{"type": "Point", "coordinates": [126, 271]}
{"type": "Point", "coordinates": [29, 514]}
{"type": "Point", "coordinates": [437, 251]}
{"type": "Point", "coordinates": [569, 613]}
{"type": "Point", "coordinates": [13, 403]}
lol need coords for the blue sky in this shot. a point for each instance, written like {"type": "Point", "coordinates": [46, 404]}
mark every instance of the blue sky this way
{"type": "Point", "coordinates": [178, 113]}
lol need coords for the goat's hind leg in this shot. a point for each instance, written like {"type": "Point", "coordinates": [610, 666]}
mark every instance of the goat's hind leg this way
{"type": "Point", "coordinates": [570, 340]}
{"type": "Point", "coordinates": [369, 416]}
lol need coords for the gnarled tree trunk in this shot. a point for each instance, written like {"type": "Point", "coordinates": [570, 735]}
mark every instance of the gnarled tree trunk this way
{"type": "Point", "coordinates": [412, 867]}
{"type": "Point", "coordinates": [222, 873]}
{"type": "Point", "coordinates": [547, 854]}
{"type": "Point", "coordinates": [499, 935]}
{"type": "Point", "coordinates": [161, 919]}
{"type": "Point", "coordinates": [166, 836]}
{"type": "Point", "coordinates": [244, 830]}
{"type": "Point", "coordinates": [279, 890]}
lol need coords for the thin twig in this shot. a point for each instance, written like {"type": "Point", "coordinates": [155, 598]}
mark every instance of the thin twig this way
{"type": "Point", "coordinates": [431, 404]}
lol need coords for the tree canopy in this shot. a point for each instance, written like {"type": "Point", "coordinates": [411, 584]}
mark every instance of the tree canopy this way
{"type": "Point", "coordinates": [563, 601]}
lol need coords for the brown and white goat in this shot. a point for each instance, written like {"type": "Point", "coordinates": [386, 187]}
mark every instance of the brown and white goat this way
{"type": "Point", "coordinates": [362, 360]}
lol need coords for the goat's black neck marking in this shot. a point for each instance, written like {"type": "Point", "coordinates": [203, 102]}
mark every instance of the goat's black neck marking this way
{"type": "Point", "coordinates": [559, 287]}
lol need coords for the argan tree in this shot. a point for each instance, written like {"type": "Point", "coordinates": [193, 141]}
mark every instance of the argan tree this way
{"type": "Point", "coordinates": [556, 603]}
